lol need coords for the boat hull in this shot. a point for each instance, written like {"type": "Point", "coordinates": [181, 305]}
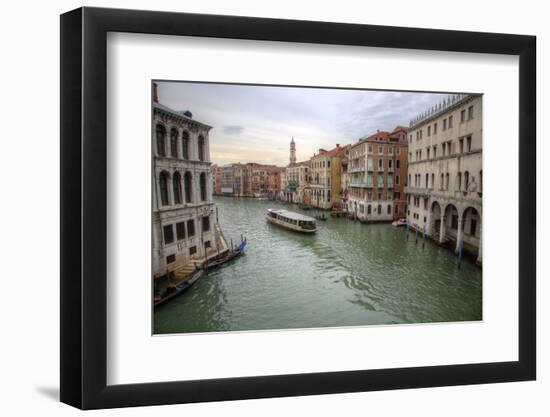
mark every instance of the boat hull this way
{"type": "Point", "coordinates": [180, 289]}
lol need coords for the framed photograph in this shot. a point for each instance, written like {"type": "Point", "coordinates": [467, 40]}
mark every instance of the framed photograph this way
{"type": "Point", "coordinates": [258, 208]}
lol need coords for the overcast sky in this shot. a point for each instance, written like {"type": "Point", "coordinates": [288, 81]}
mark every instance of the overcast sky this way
{"type": "Point", "coordinates": [256, 123]}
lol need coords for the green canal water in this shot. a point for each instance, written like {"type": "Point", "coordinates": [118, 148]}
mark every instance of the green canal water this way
{"type": "Point", "coordinates": [346, 274]}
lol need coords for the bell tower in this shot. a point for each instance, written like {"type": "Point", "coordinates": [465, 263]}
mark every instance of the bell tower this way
{"type": "Point", "coordinates": [292, 151]}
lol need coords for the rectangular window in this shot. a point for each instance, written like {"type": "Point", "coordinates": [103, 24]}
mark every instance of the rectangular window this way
{"type": "Point", "coordinates": [381, 150]}
{"type": "Point", "coordinates": [390, 180]}
{"type": "Point", "coordinates": [180, 230]}
{"type": "Point", "coordinates": [397, 179]}
{"type": "Point", "coordinates": [369, 180]}
{"type": "Point", "coordinates": [192, 250]}
{"type": "Point", "coordinates": [396, 195]}
{"type": "Point", "coordinates": [390, 150]}
{"type": "Point", "coordinates": [469, 144]}
{"type": "Point", "coordinates": [398, 150]}
{"type": "Point", "coordinates": [398, 164]}
{"type": "Point", "coordinates": [461, 145]}
{"type": "Point", "coordinates": [369, 164]}
{"type": "Point", "coordinates": [435, 151]}
{"type": "Point", "coordinates": [450, 121]}
{"type": "Point", "coordinates": [462, 116]}
{"type": "Point", "coordinates": [206, 224]}
{"type": "Point", "coordinates": [444, 124]}
{"type": "Point", "coordinates": [190, 228]}
{"type": "Point", "coordinates": [428, 153]}
{"type": "Point", "coordinates": [470, 112]}
{"type": "Point", "coordinates": [429, 130]}
{"type": "Point", "coordinates": [380, 164]}
{"type": "Point", "coordinates": [170, 259]}
{"type": "Point", "coordinates": [435, 128]}
{"type": "Point", "coordinates": [380, 181]}
{"type": "Point", "coordinates": [168, 232]}
{"type": "Point", "coordinates": [420, 133]}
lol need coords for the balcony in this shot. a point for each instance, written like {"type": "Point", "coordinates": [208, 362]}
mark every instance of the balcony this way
{"type": "Point", "coordinates": [418, 191]}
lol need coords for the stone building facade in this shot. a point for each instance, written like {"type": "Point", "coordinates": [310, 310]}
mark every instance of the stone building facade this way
{"type": "Point", "coordinates": [325, 179]}
{"type": "Point", "coordinates": [446, 173]}
{"type": "Point", "coordinates": [377, 169]}
{"type": "Point", "coordinates": [295, 178]}
{"type": "Point", "coordinates": [184, 220]}
{"type": "Point", "coordinates": [217, 179]}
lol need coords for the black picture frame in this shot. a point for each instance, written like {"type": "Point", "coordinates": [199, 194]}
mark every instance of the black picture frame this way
{"type": "Point", "coordinates": [84, 207]}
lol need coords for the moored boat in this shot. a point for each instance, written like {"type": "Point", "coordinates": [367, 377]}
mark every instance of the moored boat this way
{"type": "Point", "coordinates": [399, 223]}
{"type": "Point", "coordinates": [237, 251]}
{"type": "Point", "coordinates": [290, 220]}
{"type": "Point", "coordinates": [178, 289]}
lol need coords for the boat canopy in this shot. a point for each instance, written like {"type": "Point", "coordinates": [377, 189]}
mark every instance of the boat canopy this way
{"type": "Point", "coordinates": [292, 215]}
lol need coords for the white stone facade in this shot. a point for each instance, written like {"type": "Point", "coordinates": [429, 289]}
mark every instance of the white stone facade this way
{"type": "Point", "coordinates": [445, 176]}
{"type": "Point", "coordinates": [184, 218]}
{"type": "Point", "coordinates": [320, 187]}
{"type": "Point", "coordinates": [295, 181]}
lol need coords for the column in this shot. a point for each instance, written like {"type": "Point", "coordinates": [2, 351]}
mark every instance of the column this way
{"type": "Point", "coordinates": [442, 229]}
{"type": "Point", "coordinates": [170, 185]}
{"type": "Point", "coordinates": [479, 259]}
{"type": "Point", "coordinates": [459, 234]}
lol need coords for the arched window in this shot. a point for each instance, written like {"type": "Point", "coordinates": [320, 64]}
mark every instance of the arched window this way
{"type": "Point", "coordinates": [201, 148]}
{"type": "Point", "coordinates": [188, 184]}
{"type": "Point", "coordinates": [369, 209]}
{"type": "Point", "coordinates": [176, 185]}
{"type": "Point", "coordinates": [433, 180]}
{"type": "Point", "coordinates": [185, 145]}
{"type": "Point", "coordinates": [379, 209]}
{"type": "Point", "coordinates": [466, 180]}
{"type": "Point", "coordinates": [427, 180]}
{"type": "Point", "coordinates": [442, 185]}
{"type": "Point", "coordinates": [459, 182]}
{"type": "Point", "coordinates": [447, 181]}
{"type": "Point", "coordinates": [389, 208]}
{"type": "Point", "coordinates": [202, 181]}
{"type": "Point", "coordinates": [174, 142]}
{"type": "Point", "coordinates": [161, 134]}
{"type": "Point", "coordinates": [163, 185]}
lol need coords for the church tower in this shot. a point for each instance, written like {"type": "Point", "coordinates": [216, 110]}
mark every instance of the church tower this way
{"type": "Point", "coordinates": [292, 152]}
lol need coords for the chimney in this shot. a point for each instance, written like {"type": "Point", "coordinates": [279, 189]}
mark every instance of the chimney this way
{"type": "Point", "coordinates": [155, 93]}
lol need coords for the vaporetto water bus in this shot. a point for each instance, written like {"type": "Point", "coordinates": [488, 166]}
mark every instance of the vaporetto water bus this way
{"type": "Point", "coordinates": [290, 220]}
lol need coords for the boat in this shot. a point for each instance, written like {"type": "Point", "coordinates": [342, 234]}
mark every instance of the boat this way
{"type": "Point", "coordinates": [230, 255]}
{"type": "Point", "coordinates": [290, 220]}
{"type": "Point", "coordinates": [178, 289]}
{"type": "Point", "coordinates": [399, 223]}
{"type": "Point", "coordinates": [321, 217]}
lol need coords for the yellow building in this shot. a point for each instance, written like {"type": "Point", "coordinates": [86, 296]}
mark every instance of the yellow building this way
{"type": "Point", "coordinates": [325, 188]}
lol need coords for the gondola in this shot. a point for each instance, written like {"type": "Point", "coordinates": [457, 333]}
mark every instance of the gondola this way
{"type": "Point", "coordinates": [178, 289]}
{"type": "Point", "coordinates": [239, 250]}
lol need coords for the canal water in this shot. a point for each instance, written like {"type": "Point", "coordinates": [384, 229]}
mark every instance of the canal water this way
{"type": "Point", "coordinates": [346, 274]}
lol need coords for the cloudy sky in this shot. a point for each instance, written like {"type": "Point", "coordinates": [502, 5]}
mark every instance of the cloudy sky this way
{"type": "Point", "coordinates": [256, 123]}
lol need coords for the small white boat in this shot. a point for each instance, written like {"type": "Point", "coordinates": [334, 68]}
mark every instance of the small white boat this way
{"type": "Point", "coordinates": [290, 220]}
{"type": "Point", "coordinates": [399, 223]}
